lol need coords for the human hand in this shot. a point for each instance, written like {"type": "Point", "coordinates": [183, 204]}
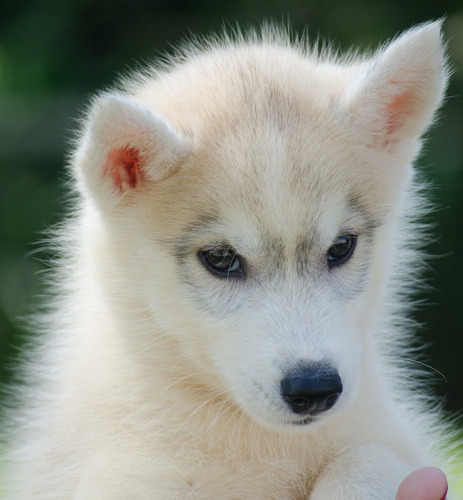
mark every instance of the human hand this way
{"type": "Point", "coordinates": [428, 483]}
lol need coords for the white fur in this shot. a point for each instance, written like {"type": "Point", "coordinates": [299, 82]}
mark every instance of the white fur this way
{"type": "Point", "coordinates": [158, 379]}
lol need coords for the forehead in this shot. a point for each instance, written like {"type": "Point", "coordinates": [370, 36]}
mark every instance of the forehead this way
{"type": "Point", "coordinates": [285, 176]}
{"type": "Point", "coordinates": [267, 147]}
{"type": "Point", "coordinates": [266, 183]}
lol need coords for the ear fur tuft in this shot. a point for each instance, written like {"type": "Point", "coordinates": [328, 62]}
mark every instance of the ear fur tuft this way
{"type": "Point", "coordinates": [124, 145]}
{"type": "Point", "coordinates": [395, 95]}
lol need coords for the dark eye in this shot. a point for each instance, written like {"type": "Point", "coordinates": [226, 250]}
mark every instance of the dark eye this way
{"type": "Point", "coordinates": [341, 250]}
{"type": "Point", "coordinates": [222, 261]}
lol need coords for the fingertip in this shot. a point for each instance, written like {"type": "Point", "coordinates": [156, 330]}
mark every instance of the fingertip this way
{"type": "Point", "coordinates": [428, 483]}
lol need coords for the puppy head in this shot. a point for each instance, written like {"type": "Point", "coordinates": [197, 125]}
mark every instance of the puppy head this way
{"type": "Point", "coordinates": [246, 204]}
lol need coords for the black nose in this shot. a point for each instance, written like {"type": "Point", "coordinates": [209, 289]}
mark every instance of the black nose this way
{"type": "Point", "coordinates": [311, 389]}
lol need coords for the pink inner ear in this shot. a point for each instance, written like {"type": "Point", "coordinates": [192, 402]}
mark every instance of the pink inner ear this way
{"type": "Point", "coordinates": [123, 165]}
{"type": "Point", "coordinates": [398, 110]}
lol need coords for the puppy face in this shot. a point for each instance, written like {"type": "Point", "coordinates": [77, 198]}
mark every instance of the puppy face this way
{"type": "Point", "coordinates": [247, 204]}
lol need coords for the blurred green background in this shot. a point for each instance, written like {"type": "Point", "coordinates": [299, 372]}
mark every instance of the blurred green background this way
{"type": "Point", "coordinates": [54, 54]}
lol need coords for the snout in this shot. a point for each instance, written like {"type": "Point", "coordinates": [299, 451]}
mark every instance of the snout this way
{"type": "Point", "coordinates": [311, 389]}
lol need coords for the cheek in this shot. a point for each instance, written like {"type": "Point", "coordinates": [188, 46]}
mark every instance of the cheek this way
{"type": "Point", "coordinates": [219, 298]}
{"type": "Point", "coordinates": [249, 369]}
{"type": "Point", "coordinates": [347, 345]}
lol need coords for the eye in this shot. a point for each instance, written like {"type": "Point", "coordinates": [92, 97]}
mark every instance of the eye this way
{"type": "Point", "coordinates": [341, 250]}
{"type": "Point", "coordinates": [222, 261]}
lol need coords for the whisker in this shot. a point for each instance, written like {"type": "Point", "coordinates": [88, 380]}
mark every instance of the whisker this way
{"type": "Point", "coordinates": [215, 395]}
{"type": "Point", "coordinates": [435, 370]}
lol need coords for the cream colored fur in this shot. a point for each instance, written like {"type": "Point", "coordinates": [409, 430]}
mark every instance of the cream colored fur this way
{"type": "Point", "coordinates": [156, 379]}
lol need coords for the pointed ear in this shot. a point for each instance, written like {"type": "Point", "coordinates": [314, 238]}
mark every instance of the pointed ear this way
{"type": "Point", "coordinates": [394, 96]}
{"type": "Point", "coordinates": [124, 146]}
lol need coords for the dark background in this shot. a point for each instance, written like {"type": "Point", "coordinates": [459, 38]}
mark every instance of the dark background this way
{"type": "Point", "coordinates": [54, 54]}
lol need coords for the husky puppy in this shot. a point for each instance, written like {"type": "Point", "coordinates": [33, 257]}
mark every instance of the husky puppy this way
{"type": "Point", "coordinates": [229, 320]}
